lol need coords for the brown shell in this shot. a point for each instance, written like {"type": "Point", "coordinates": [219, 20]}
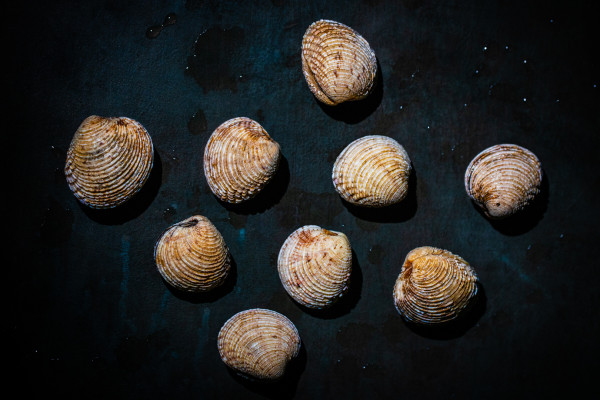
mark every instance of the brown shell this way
{"type": "Point", "coordinates": [503, 179]}
{"type": "Point", "coordinates": [258, 343]}
{"type": "Point", "coordinates": [372, 171]}
{"type": "Point", "coordinates": [108, 161]}
{"type": "Point", "coordinates": [192, 256]}
{"type": "Point", "coordinates": [240, 158]}
{"type": "Point", "coordinates": [434, 286]}
{"type": "Point", "coordinates": [314, 266]}
{"type": "Point", "coordinates": [338, 63]}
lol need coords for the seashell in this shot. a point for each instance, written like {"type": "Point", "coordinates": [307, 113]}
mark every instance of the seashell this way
{"type": "Point", "coordinates": [503, 179]}
{"type": "Point", "coordinates": [338, 63]}
{"type": "Point", "coordinates": [258, 343]}
{"type": "Point", "coordinates": [192, 256]}
{"type": "Point", "coordinates": [372, 171]}
{"type": "Point", "coordinates": [240, 158]}
{"type": "Point", "coordinates": [434, 286]}
{"type": "Point", "coordinates": [314, 266]}
{"type": "Point", "coordinates": [108, 161]}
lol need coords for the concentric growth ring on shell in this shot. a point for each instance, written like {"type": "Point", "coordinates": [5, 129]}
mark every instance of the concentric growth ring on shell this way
{"type": "Point", "coordinates": [315, 265]}
{"type": "Point", "coordinates": [108, 161]}
{"type": "Point", "coordinates": [337, 62]}
{"type": "Point", "coordinates": [434, 286]}
{"type": "Point", "coordinates": [258, 343]}
{"type": "Point", "coordinates": [372, 171]}
{"type": "Point", "coordinates": [240, 158]}
{"type": "Point", "coordinates": [192, 256]}
{"type": "Point", "coordinates": [503, 179]}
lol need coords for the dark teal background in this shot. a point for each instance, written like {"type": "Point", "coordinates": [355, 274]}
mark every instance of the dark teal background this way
{"type": "Point", "coordinates": [89, 315]}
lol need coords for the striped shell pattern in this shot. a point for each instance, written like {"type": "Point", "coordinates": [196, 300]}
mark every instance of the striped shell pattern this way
{"type": "Point", "coordinates": [503, 179]}
{"type": "Point", "coordinates": [314, 266]}
{"type": "Point", "coordinates": [240, 158]}
{"type": "Point", "coordinates": [108, 161]}
{"type": "Point", "coordinates": [337, 62]}
{"type": "Point", "coordinates": [372, 171]}
{"type": "Point", "coordinates": [434, 286]}
{"type": "Point", "coordinates": [258, 343]}
{"type": "Point", "coordinates": [192, 255]}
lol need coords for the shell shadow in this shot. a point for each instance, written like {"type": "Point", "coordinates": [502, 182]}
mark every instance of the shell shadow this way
{"type": "Point", "coordinates": [348, 301]}
{"type": "Point", "coordinates": [135, 206]}
{"type": "Point", "coordinates": [353, 112]}
{"type": "Point", "coordinates": [399, 212]}
{"type": "Point", "coordinates": [457, 327]}
{"type": "Point", "coordinates": [285, 387]}
{"type": "Point", "coordinates": [212, 295]}
{"type": "Point", "coordinates": [268, 197]}
{"type": "Point", "coordinates": [526, 219]}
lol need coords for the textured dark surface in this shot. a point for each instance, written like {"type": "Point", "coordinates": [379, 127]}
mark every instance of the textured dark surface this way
{"type": "Point", "coordinates": [89, 315]}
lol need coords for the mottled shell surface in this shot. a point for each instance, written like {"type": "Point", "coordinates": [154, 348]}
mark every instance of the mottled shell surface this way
{"type": "Point", "coordinates": [434, 286]}
{"type": "Point", "coordinates": [503, 179]}
{"type": "Point", "coordinates": [240, 158]}
{"type": "Point", "coordinates": [337, 62]}
{"type": "Point", "coordinates": [108, 161]}
{"type": "Point", "coordinates": [258, 343]}
{"type": "Point", "coordinates": [192, 255]}
{"type": "Point", "coordinates": [372, 171]}
{"type": "Point", "coordinates": [314, 266]}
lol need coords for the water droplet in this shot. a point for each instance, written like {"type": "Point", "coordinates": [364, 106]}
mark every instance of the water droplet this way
{"type": "Point", "coordinates": [524, 61]}
{"type": "Point", "coordinates": [484, 48]}
{"type": "Point", "coordinates": [529, 247]}
{"type": "Point", "coordinates": [524, 98]}
{"type": "Point", "coordinates": [170, 19]}
{"type": "Point", "coordinates": [505, 47]}
{"type": "Point", "coordinates": [561, 236]}
{"type": "Point", "coordinates": [153, 31]}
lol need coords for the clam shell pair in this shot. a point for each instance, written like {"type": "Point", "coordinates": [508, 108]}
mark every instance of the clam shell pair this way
{"type": "Point", "coordinates": [337, 62]}
{"type": "Point", "coordinates": [372, 171]}
{"type": "Point", "coordinates": [240, 158]}
{"type": "Point", "coordinates": [192, 256]}
{"type": "Point", "coordinates": [258, 343]}
{"type": "Point", "coordinates": [503, 179]}
{"type": "Point", "coordinates": [434, 286]}
{"type": "Point", "coordinates": [109, 160]}
{"type": "Point", "coordinates": [314, 266]}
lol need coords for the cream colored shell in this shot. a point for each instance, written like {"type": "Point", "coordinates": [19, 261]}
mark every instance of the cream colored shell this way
{"type": "Point", "coordinates": [434, 286]}
{"type": "Point", "coordinates": [108, 161]}
{"type": "Point", "coordinates": [258, 343]}
{"type": "Point", "coordinates": [338, 63]}
{"type": "Point", "coordinates": [372, 171]}
{"type": "Point", "coordinates": [314, 266]}
{"type": "Point", "coordinates": [503, 179]}
{"type": "Point", "coordinates": [192, 255]}
{"type": "Point", "coordinates": [240, 158]}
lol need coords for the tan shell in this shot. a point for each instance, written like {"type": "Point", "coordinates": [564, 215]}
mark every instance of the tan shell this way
{"type": "Point", "coordinates": [503, 179]}
{"type": "Point", "coordinates": [314, 266]}
{"type": "Point", "coordinates": [192, 256]}
{"type": "Point", "coordinates": [372, 171]}
{"type": "Point", "coordinates": [258, 343]}
{"type": "Point", "coordinates": [240, 158]}
{"type": "Point", "coordinates": [108, 161]}
{"type": "Point", "coordinates": [434, 286]}
{"type": "Point", "coordinates": [338, 63]}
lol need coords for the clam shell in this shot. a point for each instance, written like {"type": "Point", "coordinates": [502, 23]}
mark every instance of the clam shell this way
{"type": "Point", "coordinates": [258, 343]}
{"type": "Point", "coordinates": [192, 256]}
{"type": "Point", "coordinates": [338, 63]}
{"type": "Point", "coordinates": [434, 286]}
{"type": "Point", "coordinates": [503, 179]}
{"type": "Point", "coordinates": [372, 171]}
{"type": "Point", "coordinates": [314, 266]}
{"type": "Point", "coordinates": [108, 161]}
{"type": "Point", "coordinates": [240, 158]}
